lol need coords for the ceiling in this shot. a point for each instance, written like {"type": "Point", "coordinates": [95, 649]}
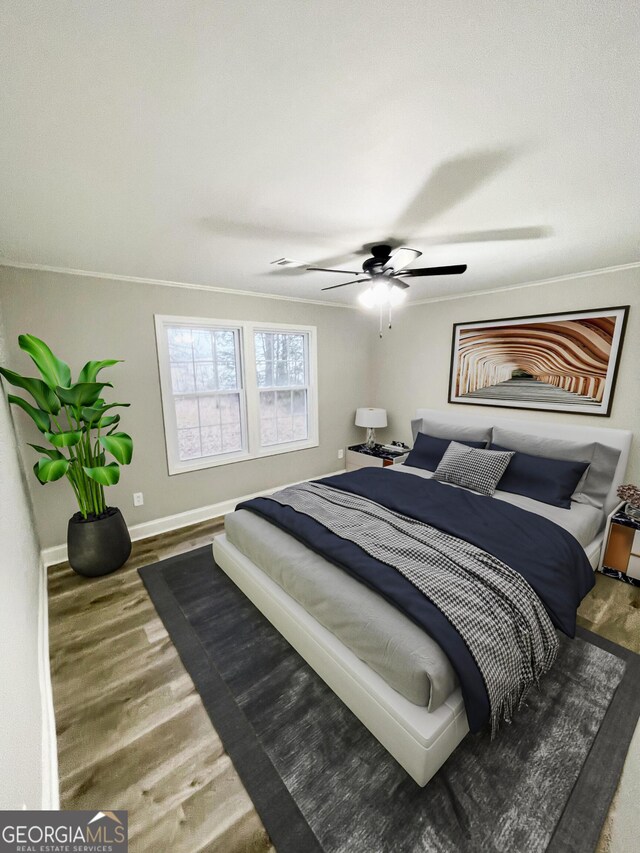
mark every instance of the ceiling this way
{"type": "Point", "coordinates": [198, 141]}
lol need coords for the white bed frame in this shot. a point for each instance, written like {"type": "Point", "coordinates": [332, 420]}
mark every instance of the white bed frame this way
{"type": "Point", "coordinates": [419, 740]}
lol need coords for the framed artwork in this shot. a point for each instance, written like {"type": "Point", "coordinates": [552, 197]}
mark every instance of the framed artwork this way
{"type": "Point", "coordinates": [553, 362]}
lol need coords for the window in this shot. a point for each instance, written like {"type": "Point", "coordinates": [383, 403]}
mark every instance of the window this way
{"type": "Point", "coordinates": [234, 391]}
{"type": "Point", "coordinates": [281, 367]}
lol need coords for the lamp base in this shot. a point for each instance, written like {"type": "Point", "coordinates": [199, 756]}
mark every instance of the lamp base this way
{"type": "Point", "coordinates": [371, 438]}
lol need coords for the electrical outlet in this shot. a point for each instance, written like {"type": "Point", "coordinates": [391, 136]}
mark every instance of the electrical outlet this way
{"type": "Point", "coordinates": [341, 454]}
{"type": "Point", "coordinates": [138, 499]}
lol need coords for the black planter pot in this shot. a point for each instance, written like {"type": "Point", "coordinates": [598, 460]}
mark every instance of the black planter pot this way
{"type": "Point", "coordinates": [98, 546]}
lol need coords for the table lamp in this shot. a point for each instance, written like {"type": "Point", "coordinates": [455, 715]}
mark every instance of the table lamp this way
{"type": "Point", "coordinates": [371, 418]}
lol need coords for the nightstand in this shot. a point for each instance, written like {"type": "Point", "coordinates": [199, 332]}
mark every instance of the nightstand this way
{"type": "Point", "coordinates": [621, 551]}
{"type": "Point", "coordinates": [359, 456]}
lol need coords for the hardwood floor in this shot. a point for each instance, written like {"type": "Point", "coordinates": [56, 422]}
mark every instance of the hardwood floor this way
{"type": "Point", "coordinates": [132, 732]}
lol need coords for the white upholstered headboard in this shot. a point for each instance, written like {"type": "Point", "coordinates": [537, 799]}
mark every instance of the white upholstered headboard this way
{"type": "Point", "coordinates": [618, 438]}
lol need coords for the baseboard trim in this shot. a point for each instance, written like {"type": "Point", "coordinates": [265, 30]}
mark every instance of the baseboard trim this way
{"type": "Point", "coordinates": [50, 781]}
{"type": "Point", "coordinates": [58, 553]}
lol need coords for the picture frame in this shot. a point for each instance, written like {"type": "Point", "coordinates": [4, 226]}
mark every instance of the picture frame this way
{"type": "Point", "coordinates": [562, 362]}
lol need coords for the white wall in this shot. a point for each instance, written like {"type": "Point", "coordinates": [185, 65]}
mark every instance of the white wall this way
{"type": "Point", "coordinates": [25, 722]}
{"type": "Point", "coordinates": [413, 359]}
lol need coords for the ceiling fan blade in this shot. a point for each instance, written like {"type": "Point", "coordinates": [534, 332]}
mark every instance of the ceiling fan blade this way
{"type": "Point", "coordinates": [222, 227]}
{"type": "Point", "coordinates": [398, 282]}
{"type": "Point", "coordinates": [532, 232]}
{"type": "Point", "coordinates": [401, 258]}
{"type": "Point", "coordinates": [345, 283]}
{"type": "Point", "coordinates": [451, 182]}
{"type": "Point", "coordinates": [453, 270]}
{"type": "Point", "coordinates": [342, 272]}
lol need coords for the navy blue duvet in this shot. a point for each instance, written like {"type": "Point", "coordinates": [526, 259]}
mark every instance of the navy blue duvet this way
{"type": "Point", "coordinates": [546, 555]}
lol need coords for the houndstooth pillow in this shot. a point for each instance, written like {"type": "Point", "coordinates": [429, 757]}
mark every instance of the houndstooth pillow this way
{"type": "Point", "coordinates": [479, 470]}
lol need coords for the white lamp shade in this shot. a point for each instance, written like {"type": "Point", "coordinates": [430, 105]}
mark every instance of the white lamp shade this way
{"type": "Point", "coordinates": [374, 418]}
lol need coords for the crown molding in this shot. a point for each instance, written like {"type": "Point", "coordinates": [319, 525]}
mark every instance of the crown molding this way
{"type": "Point", "coordinates": [215, 289]}
{"type": "Point", "coordinates": [161, 282]}
{"type": "Point", "coordinates": [522, 285]}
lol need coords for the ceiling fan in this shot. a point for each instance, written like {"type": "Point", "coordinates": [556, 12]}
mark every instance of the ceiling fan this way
{"type": "Point", "coordinates": [388, 266]}
{"type": "Point", "coordinates": [386, 270]}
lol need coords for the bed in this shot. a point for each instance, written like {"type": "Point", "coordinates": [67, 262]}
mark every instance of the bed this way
{"type": "Point", "coordinates": [396, 679]}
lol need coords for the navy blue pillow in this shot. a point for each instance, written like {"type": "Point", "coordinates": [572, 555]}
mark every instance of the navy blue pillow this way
{"type": "Point", "coordinates": [427, 451]}
{"type": "Point", "coordinates": [550, 481]}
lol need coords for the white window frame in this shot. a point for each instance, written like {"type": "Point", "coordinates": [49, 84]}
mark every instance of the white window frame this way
{"type": "Point", "coordinates": [248, 389]}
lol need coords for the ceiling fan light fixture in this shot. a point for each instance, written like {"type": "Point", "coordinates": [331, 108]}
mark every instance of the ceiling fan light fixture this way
{"type": "Point", "coordinates": [381, 294]}
{"type": "Point", "coordinates": [366, 298]}
{"type": "Point", "coordinates": [396, 295]}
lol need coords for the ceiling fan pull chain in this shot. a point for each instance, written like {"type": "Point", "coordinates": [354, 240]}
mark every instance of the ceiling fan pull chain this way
{"type": "Point", "coordinates": [381, 321]}
{"type": "Point", "coordinates": [390, 310]}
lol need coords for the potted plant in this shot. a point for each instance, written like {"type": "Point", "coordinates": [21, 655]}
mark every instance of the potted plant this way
{"type": "Point", "coordinates": [77, 424]}
{"type": "Point", "coordinates": [630, 494]}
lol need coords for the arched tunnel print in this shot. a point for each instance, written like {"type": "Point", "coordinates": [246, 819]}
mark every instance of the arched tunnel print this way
{"type": "Point", "coordinates": [538, 363]}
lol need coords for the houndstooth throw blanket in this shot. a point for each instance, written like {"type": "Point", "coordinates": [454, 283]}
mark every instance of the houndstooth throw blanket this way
{"type": "Point", "coordinates": [493, 608]}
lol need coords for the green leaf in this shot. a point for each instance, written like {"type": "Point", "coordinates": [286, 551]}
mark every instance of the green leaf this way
{"type": "Point", "coordinates": [120, 445]}
{"type": "Point", "coordinates": [41, 393]}
{"type": "Point", "coordinates": [92, 368]}
{"type": "Point", "coordinates": [40, 418]}
{"type": "Point", "coordinates": [109, 421]}
{"type": "Point", "coordinates": [106, 475]}
{"type": "Point", "coordinates": [54, 371]}
{"type": "Point", "coordinates": [64, 439]}
{"type": "Point", "coordinates": [48, 470]}
{"type": "Point", "coordinates": [91, 413]}
{"type": "Point", "coordinates": [51, 452]}
{"type": "Point", "coordinates": [82, 393]}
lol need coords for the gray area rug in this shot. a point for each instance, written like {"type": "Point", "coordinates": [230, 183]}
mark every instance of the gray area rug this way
{"type": "Point", "coordinates": [321, 782]}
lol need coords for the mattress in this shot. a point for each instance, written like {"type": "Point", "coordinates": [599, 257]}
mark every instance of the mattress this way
{"type": "Point", "coordinates": [385, 639]}
{"type": "Point", "coordinates": [582, 521]}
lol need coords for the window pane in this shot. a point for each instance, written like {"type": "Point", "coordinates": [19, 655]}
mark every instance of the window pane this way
{"type": "Point", "coordinates": [180, 348]}
{"type": "Point", "coordinates": [225, 342]}
{"type": "Point", "coordinates": [283, 404]}
{"type": "Point", "coordinates": [300, 417]}
{"type": "Point", "coordinates": [229, 408]}
{"type": "Point", "coordinates": [211, 441]}
{"type": "Point", "coordinates": [268, 433]}
{"type": "Point", "coordinates": [189, 444]}
{"type": "Point", "coordinates": [299, 402]}
{"type": "Point", "coordinates": [280, 359]}
{"type": "Point", "coordinates": [206, 376]}
{"type": "Point", "coordinates": [202, 349]}
{"type": "Point", "coordinates": [209, 411]}
{"type": "Point", "coordinates": [203, 362]}
{"type": "Point", "coordinates": [187, 412]}
{"type": "Point", "coordinates": [285, 430]}
{"type": "Point", "coordinates": [182, 378]}
{"type": "Point", "coordinates": [300, 428]}
{"type": "Point", "coordinates": [281, 364]}
{"type": "Point", "coordinates": [284, 417]}
{"type": "Point", "coordinates": [227, 378]}
{"type": "Point", "coordinates": [231, 438]}
{"type": "Point", "coordinates": [264, 359]}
